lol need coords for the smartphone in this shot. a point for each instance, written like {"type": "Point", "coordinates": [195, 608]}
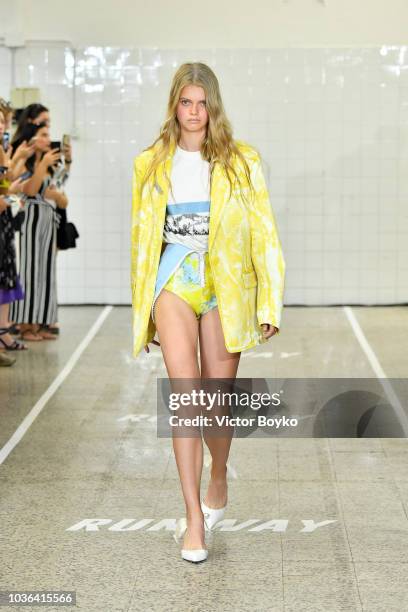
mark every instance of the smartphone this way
{"type": "Point", "coordinates": [32, 140]}
{"type": "Point", "coordinates": [56, 144]}
{"type": "Point", "coordinates": [6, 141]}
{"type": "Point", "coordinates": [25, 175]}
{"type": "Point", "coordinates": [66, 140]}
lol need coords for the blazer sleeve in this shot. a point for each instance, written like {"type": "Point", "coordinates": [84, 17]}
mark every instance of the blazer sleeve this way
{"type": "Point", "coordinates": [266, 251]}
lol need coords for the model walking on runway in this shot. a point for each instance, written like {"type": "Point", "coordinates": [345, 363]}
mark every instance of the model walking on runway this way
{"type": "Point", "coordinates": [206, 267]}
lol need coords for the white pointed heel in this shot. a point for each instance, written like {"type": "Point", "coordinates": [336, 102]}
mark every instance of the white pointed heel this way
{"type": "Point", "coordinates": [196, 555]}
{"type": "Point", "coordinates": [212, 515]}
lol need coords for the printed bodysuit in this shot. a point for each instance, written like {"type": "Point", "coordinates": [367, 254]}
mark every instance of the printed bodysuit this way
{"type": "Point", "coordinates": [184, 265]}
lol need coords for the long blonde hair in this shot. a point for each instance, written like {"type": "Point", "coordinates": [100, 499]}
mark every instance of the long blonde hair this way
{"type": "Point", "coordinates": [218, 144]}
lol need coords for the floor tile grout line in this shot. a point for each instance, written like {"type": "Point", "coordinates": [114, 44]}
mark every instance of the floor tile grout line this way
{"type": "Point", "coordinates": [340, 506]}
{"type": "Point", "coordinates": [53, 387]}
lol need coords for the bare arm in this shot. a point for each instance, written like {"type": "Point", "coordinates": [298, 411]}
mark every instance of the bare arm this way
{"type": "Point", "coordinates": [18, 161]}
{"type": "Point", "coordinates": [59, 197]}
{"type": "Point", "coordinates": [32, 187]}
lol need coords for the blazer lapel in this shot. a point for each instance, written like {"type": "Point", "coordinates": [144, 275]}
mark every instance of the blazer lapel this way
{"type": "Point", "coordinates": [218, 198]}
{"type": "Point", "coordinates": [161, 188]}
{"type": "Point", "coordinates": [159, 209]}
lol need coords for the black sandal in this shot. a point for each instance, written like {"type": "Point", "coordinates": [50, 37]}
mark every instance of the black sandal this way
{"type": "Point", "coordinates": [9, 330]}
{"type": "Point", "coordinates": [15, 346]}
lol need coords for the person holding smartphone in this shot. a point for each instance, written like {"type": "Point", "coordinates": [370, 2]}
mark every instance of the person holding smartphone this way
{"type": "Point", "coordinates": [36, 114]}
{"type": "Point", "coordinates": [38, 238]}
{"type": "Point", "coordinates": [12, 159]}
{"type": "Point", "coordinates": [59, 178]}
{"type": "Point", "coordinates": [10, 285]}
{"type": "Point", "coordinates": [5, 360]}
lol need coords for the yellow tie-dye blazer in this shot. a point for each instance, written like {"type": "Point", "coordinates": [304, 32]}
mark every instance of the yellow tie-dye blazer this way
{"type": "Point", "coordinates": [245, 253]}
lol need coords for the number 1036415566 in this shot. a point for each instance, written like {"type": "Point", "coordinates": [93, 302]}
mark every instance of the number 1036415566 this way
{"type": "Point", "coordinates": [37, 598]}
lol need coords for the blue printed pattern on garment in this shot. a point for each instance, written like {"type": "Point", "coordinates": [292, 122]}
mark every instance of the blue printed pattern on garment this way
{"type": "Point", "coordinates": [190, 274]}
{"type": "Point", "coordinates": [185, 220]}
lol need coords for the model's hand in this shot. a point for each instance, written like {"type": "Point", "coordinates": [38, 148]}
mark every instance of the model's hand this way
{"type": "Point", "coordinates": [268, 330]}
{"type": "Point", "coordinates": [146, 348]}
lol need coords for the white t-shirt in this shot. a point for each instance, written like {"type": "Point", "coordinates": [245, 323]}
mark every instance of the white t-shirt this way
{"type": "Point", "coordinates": [188, 213]}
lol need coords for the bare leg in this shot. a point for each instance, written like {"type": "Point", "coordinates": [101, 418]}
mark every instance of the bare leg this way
{"type": "Point", "coordinates": [177, 328]}
{"type": "Point", "coordinates": [4, 323]}
{"type": "Point", "coordinates": [216, 362]}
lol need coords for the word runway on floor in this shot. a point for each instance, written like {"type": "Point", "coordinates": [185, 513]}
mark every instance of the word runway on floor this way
{"type": "Point", "coordinates": [169, 524]}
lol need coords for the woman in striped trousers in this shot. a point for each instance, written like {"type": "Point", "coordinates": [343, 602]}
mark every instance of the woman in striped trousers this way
{"type": "Point", "coordinates": [38, 240]}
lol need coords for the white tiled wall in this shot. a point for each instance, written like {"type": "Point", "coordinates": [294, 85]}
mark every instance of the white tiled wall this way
{"type": "Point", "coordinates": [331, 124]}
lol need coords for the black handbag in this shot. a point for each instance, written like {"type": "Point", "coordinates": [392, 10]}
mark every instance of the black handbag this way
{"type": "Point", "coordinates": [67, 232]}
{"type": "Point", "coordinates": [17, 220]}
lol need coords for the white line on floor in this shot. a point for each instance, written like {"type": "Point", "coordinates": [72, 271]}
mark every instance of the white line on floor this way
{"type": "Point", "coordinates": [379, 372]}
{"type": "Point", "coordinates": [57, 382]}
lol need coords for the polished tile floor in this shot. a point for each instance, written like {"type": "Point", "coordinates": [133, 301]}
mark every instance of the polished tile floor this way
{"type": "Point", "coordinates": [89, 495]}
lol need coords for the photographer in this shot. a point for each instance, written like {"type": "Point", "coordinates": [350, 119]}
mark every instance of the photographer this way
{"type": "Point", "coordinates": [38, 308]}
{"type": "Point", "coordinates": [10, 287]}
{"type": "Point", "coordinates": [5, 360]}
{"type": "Point", "coordinates": [12, 159]}
{"type": "Point", "coordinates": [36, 114]}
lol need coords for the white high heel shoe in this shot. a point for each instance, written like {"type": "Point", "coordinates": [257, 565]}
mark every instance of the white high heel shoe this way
{"type": "Point", "coordinates": [196, 554]}
{"type": "Point", "coordinates": [212, 515]}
